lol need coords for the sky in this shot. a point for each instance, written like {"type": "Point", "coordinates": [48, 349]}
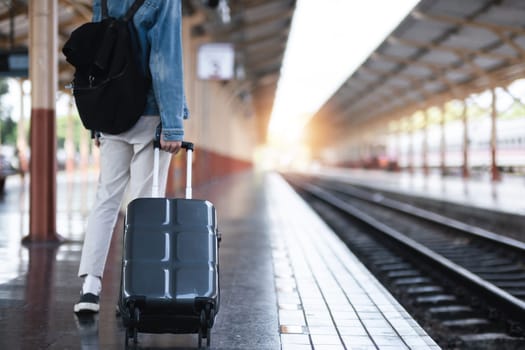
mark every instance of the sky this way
{"type": "Point", "coordinates": [328, 41]}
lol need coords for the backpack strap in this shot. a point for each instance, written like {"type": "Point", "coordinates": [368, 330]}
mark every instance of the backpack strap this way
{"type": "Point", "coordinates": [104, 8]}
{"type": "Point", "coordinates": [131, 12]}
{"type": "Point", "coordinates": [129, 15]}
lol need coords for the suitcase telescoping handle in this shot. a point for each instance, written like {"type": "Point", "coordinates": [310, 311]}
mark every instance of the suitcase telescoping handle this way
{"type": "Point", "coordinates": [189, 147]}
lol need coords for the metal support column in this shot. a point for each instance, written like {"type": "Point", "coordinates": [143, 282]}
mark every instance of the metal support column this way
{"type": "Point", "coordinates": [424, 146]}
{"type": "Point", "coordinates": [399, 145]}
{"type": "Point", "coordinates": [496, 176]}
{"type": "Point", "coordinates": [43, 74]}
{"type": "Point", "coordinates": [443, 143]}
{"type": "Point", "coordinates": [411, 155]}
{"type": "Point", "coordinates": [21, 140]}
{"type": "Point", "coordinates": [69, 143]}
{"type": "Point", "coordinates": [464, 119]}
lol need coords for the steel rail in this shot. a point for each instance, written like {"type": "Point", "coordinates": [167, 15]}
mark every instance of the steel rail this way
{"type": "Point", "coordinates": [514, 245]}
{"type": "Point", "coordinates": [512, 306]}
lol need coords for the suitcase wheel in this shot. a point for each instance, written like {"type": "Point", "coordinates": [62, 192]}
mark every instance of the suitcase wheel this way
{"type": "Point", "coordinates": [132, 330]}
{"type": "Point", "coordinates": [206, 322]}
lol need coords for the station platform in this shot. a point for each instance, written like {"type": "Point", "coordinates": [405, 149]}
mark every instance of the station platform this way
{"type": "Point", "coordinates": [287, 282]}
{"type": "Point", "coordinates": [505, 196]}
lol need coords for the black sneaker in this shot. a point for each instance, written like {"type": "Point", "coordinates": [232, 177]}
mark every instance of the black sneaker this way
{"type": "Point", "coordinates": [88, 303]}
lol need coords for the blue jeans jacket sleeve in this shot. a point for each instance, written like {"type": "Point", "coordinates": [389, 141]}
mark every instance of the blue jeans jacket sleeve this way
{"type": "Point", "coordinates": [159, 28]}
{"type": "Point", "coordinates": [165, 63]}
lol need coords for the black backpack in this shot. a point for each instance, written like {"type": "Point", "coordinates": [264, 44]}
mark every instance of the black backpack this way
{"type": "Point", "coordinates": [110, 86]}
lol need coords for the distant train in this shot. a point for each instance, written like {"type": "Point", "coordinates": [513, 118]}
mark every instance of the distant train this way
{"type": "Point", "coordinates": [402, 151]}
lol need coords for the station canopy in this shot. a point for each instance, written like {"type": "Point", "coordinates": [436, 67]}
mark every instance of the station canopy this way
{"type": "Point", "coordinates": [442, 50]}
{"type": "Point", "coordinates": [258, 30]}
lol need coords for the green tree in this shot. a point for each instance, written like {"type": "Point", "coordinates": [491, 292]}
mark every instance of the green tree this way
{"type": "Point", "coordinates": [8, 130]}
{"type": "Point", "coordinates": [517, 110]}
{"type": "Point", "coordinates": [61, 130]}
{"type": "Point", "coordinates": [7, 125]}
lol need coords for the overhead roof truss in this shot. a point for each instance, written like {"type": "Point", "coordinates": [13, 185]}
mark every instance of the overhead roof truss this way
{"type": "Point", "coordinates": [444, 49]}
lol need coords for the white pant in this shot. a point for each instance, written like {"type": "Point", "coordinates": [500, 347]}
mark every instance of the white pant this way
{"type": "Point", "coordinates": [125, 159]}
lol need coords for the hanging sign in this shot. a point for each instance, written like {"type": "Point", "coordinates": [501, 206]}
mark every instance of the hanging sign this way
{"type": "Point", "coordinates": [14, 63]}
{"type": "Point", "coordinates": [215, 61]}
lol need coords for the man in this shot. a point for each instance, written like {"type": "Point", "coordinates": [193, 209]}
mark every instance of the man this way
{"type": "Point", "coordinates": [126, 159]}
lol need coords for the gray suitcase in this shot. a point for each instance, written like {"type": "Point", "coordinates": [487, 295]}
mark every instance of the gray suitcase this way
{"type": "Point", "coordinates": [170, 268]}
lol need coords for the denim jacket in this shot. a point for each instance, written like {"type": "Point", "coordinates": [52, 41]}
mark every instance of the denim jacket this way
{"type": "Point", "coordinates": [159, 26]}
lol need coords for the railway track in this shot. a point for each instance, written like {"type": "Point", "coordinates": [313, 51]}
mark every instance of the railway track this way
{"type": "Point", "coordinates": [464, 284]}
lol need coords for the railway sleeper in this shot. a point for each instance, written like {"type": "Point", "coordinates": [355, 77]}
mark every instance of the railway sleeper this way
{"type": "Point", "coordinates": [424, 290]}
{"type": "Point", "coordinates": [465, 324]}
{"type": "Point", "coordinates": [510, 284]}
{"type": "Point", "coordinates": [511, 268]}
{"type": "Point", "coordinates": [395, 267]}
{"type": "Point", "coordinates": [517, 292]}
{"type": "Point", "coordinates": [489, 341]}
{"type": "Point", "coordinates": [504, 277]}
{"type": "Point", "coordinates": [496, 261]}
{"type": "Point", "coordinates": [436, 299]}
{"type": "Point", "coordinates": [452, 312]}
{"type": "Point", "coordinates": [411, 281]}
{"type": "Point", "coordinates": [383, 258]}
{"type": "Point", "coordinates": [403, 273]}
